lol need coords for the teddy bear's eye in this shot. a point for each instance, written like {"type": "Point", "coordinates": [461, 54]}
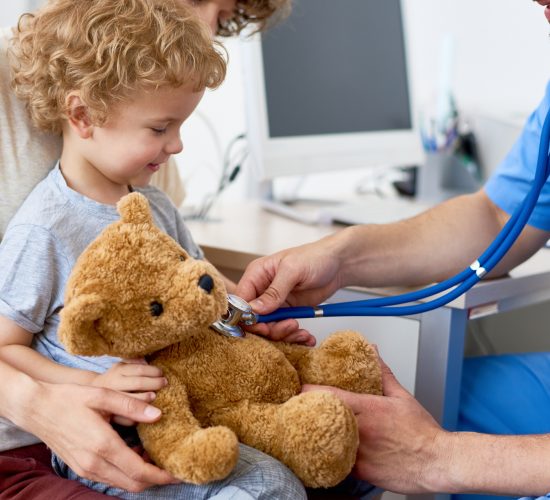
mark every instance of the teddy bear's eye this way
{"type": "Point", "coordinates": [182, 257]}
{"type": "Point", "coordinates": [156, 308]}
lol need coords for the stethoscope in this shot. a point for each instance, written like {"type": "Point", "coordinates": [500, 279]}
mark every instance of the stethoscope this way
{"type": "Point", "coordinates": [239, 311]}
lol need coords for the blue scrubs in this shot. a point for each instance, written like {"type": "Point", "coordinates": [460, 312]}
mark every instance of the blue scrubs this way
{"type": "Point", "coordinates": [512, 180]}
{"type": "Point", "coordinates": [510, 394]}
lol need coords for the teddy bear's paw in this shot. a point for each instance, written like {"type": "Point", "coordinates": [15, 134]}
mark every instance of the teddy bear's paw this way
{"type": "Point", "coordinates": [319, 438]}
{"type": "Point", "coordinates": [346, 360]}
{"type": "Point", "coordinates": [206, 455]}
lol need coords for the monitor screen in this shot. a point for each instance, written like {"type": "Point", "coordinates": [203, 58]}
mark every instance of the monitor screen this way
{"type": "Point", "coordinates": [337, 67]}
{"type": "Point", "coordinates": [328, 88]}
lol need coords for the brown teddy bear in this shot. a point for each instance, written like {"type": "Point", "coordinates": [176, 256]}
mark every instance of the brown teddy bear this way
{"type": "Point", "coordinates": [134, 292]}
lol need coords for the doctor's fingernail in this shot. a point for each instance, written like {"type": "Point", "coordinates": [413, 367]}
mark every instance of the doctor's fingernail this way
{"type": "Point", "coordinates": [257, 304]}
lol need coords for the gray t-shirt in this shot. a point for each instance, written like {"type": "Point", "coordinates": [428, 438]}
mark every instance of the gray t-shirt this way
{"type": "Point", "coordinates": [42, 242]}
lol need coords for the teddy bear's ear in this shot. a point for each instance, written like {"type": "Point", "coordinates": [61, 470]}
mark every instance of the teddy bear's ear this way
{"type": "Point", "coordinates": [134, 209]}
{"type": "Point", "coordinates": [78, 327]}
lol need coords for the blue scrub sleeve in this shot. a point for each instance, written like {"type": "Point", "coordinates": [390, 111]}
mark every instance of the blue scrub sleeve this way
{"type": "Point", "coordinates": [513, 178]}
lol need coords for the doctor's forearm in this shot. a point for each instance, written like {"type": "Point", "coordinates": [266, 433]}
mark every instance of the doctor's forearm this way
{"type": "Point", "coordinates": [502, 465]}
{"type": "Point", "coordinates": [429, 247]}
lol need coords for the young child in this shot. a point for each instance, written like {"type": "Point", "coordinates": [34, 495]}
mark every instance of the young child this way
{"type": "Point", "coordinates": [117, 78]}
{"type": "Point", "coordinates": [21, 143]}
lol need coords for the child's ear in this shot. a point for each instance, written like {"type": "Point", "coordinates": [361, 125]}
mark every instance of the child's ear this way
{"type": "Point", "coordinates": [78, 116]}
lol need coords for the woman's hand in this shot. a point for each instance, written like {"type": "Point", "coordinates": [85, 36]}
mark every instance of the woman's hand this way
{"type": "Point", "coordinates": [73, 420]}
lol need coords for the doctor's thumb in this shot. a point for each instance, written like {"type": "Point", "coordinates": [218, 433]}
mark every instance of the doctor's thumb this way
{"type": "Point", "coordinates": [356, 402]}
{"type": "Point", "coordinates": [268, 301]}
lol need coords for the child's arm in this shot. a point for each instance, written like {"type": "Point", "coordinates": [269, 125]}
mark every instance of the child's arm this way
{"type": "Point", "coordinates": [15, 349]}
{"type": "Point", "coordinates": [128, 376]}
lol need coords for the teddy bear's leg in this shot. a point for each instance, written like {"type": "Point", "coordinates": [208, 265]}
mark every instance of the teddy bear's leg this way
{"type": "Point", "coordinates": [345, 360]}
{"type": "Point", "coordinates": [319, 438]}
{"type": "Point", "coordinates": [313, 433]}
{"type": "Point", "coordinates": [178, 444]}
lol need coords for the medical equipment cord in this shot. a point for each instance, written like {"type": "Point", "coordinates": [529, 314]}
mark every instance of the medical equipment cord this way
{"type": "Point", "coordinates": [461, 282]}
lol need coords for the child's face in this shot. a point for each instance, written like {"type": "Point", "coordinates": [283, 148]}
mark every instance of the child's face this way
{"type": "Point", "coordinates": [213, 12]}
{"type": "Point", "coordinates": [140, 135]}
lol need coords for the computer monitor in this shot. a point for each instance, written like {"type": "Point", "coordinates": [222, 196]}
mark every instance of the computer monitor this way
{"type": "Point", "coordinates": [329, 88]}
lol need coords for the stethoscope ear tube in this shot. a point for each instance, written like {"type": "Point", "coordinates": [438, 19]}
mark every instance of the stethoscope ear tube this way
{"type": "Point", "coordinates": [455, 286]}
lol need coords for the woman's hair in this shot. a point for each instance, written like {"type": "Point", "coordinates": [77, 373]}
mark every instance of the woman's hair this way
{"type": "Point", "coordinates": [106, 50]}
{"type": "Point", "coordinates": [260, 14]}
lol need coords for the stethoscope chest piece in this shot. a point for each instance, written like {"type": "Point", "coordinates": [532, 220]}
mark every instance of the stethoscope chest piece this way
{"type": "Point", "coordinates": [238, 311]}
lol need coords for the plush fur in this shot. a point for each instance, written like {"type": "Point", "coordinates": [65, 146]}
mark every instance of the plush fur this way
{"type": "Point", "coordinates": [135, 292]}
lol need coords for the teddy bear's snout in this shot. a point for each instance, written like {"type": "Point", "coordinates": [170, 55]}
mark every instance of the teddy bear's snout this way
{"type": "Point", "coordinates": [206, 283]}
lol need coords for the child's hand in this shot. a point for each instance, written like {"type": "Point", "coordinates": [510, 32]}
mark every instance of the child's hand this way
{"type": "Point", "coordinates": [132, 376]}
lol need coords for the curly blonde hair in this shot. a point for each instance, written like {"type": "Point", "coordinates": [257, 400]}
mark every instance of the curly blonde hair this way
{"type": "Point", "coordinates": [258, 13]}
{"type": "Point", "coordinates": [106, 50]}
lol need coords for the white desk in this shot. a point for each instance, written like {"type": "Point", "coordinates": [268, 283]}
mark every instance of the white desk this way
{"type": "Point", "coordinates": [430, 346]}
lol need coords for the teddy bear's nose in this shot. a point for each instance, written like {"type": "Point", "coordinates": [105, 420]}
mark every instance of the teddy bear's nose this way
{"type": "Point", "coordinates": [206, 283]}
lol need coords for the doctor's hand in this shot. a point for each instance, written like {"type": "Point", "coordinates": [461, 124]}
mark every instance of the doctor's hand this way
{"type": "Point", "coordinates": [299, 276]}
{"type": "Point", "coordinates": [401, 448]}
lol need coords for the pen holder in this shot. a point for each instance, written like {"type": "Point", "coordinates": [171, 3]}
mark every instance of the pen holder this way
{"type": "Point", "coordinates": [444, 175]}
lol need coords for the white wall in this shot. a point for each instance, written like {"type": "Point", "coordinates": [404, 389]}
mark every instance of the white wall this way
{"type": "Point", "coordinates": [502, 50]}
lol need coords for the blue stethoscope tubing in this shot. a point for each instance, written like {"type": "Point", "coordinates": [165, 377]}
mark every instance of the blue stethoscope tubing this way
{"type": "Point", "coordinates": [461, 282]}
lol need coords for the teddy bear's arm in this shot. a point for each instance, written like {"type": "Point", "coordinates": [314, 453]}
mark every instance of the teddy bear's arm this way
{"type": "Point", "coordinates": [345, 360]}
{"type": "Point", "coordinates": [178, 444]}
